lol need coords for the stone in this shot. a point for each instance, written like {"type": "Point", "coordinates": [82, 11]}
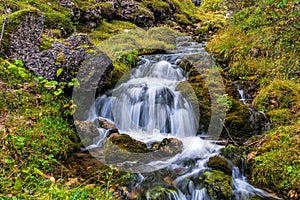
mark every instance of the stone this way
{"type": "Point", "coordinates": [219, 163]}
{"type": "Point", "coordinates": [120, 148]}
{"type": "Point", "coordinates": [106, 124]}
{"type": "Point", "coordinates": [168, 147]}
{"type": "Point", "coordinates": [161, 192]}
{"type": "Point", "coordinates": [218, 184]}
{"type": "Point", "coordinates": [63, 61]}
{"type": "Point", "coordinates": [87, 131]}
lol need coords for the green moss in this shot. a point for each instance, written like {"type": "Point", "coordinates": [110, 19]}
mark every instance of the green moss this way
{"type": "Point", "coordinates": [277, 160]}
{"type": "Point", "coordinates": [280, 100]}
{"type": "Point", "coordinates": [182, 19]}
{"type": "Point", "coordinates": [219, 163]}
{"type": "Point", "coordinates": [218, 184]}
{"type": "Point", "coordinates": [157, 5]}
{"type": "Point", "coordinates": [120, 148]}
{"type": "Point", "coordinates": [60, 59]}
{"type": "Point", "coordinates": [214, 5]}
{"type": "Point", "coordinates": [160, 192]}
{"type": "Point", "coordinates": [108, 29]}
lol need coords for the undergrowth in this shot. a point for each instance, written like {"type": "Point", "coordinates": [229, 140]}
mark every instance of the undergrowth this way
{"type": "Point", "coordinates": [259, 48]}
{"type": "Point", "coordinates": [35, 136]}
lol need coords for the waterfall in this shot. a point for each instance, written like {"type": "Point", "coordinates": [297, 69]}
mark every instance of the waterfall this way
{"type": "Point", "coordinates": [149, 107]}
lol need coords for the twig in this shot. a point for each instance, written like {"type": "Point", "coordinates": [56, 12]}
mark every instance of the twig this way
{"type": "Point", "coordinates": [4, 23]}
{"type": "Point", "coordinates": [2, 31]}
{"type": "Point", "coordinates": [228, 133]}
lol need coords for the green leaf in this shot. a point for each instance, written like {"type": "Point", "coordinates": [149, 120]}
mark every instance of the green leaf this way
{"type": "Point", "coordinates": [39, 172]}
{"type": "Point", "coordinates": [13, 68]}
{"type": "Point", "coordinates": [18, 184]}
{"type": "Point", "coordinates": [58, 92]}
{"type": "Point", "coordinates": [59, 71]}
{"type": "Point", "coordinates": [22, 72]}
{"type": "Point", "coordinates": [19, 63]}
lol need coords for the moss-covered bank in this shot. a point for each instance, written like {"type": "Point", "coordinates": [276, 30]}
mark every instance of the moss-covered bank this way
{"type": "Point", "coordinates": [262, 53]}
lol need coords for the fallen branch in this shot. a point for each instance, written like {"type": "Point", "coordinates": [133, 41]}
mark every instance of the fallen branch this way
{"type": "Point", "coordinates": [235, 144]}
{"type": "Point", "coordinates": [2, 30]}
{"type": "Point", "coordinates": [4, 23]}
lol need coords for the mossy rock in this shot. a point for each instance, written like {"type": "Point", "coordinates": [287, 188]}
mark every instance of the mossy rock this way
{"type": "Point", "coordinates": [237, 121]}
{"type": "Point", "coordinates": [12, 23]}
{"type": "Point", "coordinates": [204, 87]}
{"type": "Point", "coordinates": [182, 19]}
{"type": "Point", "coordinates": [218, 184]}
{"type": "Point", "coordinates": [164, 34]}
{"type": "Point", "coordinates": [161, 192]}
{"type": "Point", "coordinates": [280, 100]}
{"type": "Point", "coordinates": [235, 155]}
{"type": "Point", "coordinates": [120, 148]}
{"type": "Point", "coordinates": [160, 9]}
{"type": "Point", "coordinates": [219, 163]}
{"type": "Point", "coordinates": [87, 132]}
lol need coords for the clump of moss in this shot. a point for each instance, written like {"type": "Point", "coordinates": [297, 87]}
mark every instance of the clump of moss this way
{"type": "Point", "coordinates": [214, 5]}
{"type": "Point", "coordinates": [280, 100]}
{"type": "Point", "coordinates": [157, 6]}
{"type": "Point", "coordinates": [107, 29]}
{"type": "Point", "coordinates": [218, 184]}
{"type": "Point", "coordinates": [182, 19]}
{"type": "Point", "coordinates": [160, 192]}
{"type": "Point", "coordinates": [277, 160]}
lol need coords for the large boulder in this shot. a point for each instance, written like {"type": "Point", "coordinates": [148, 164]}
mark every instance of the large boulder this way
{"type": "Point", "coordinates": [61, 62]}
{"type": "Point", "coordinates": [120, 148]}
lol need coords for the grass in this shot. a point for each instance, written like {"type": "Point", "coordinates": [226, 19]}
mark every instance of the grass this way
{"type": "Point", "coordinates": [263, 53]}
{"type": "Point", "coordinates": [36, 136]}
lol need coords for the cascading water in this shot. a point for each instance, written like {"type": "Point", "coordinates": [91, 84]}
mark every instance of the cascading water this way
{"type": "Point", "coordinates": [148, 107]}
{"type": "Point", "coordinates": [149, 101]}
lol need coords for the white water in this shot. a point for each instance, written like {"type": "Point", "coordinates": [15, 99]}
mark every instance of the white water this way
{"type": "Point", "coordinates": [149, 108]}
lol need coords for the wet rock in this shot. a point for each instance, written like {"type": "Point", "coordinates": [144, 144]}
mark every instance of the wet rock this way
{"type": "Point", "coordinates": [120, 148]}
{"type": "Point", "coordinates": [218, 184]}
{"type": "Point", "coordinates": [186, 186]}
{"type": "Point", "coordinates": [162, 192]}
{"type": "Point", "coordinates": [235, 155]}
{"type": "Point", "coordinates": [106, 124]}
{"type": "Point", "coordinates": [208, 83]}
{"type": "Point", "coordinates": [168, 147]}
{"type": "Point", "coordinates": [219, 163]}
{"type": "Point", "coordinates": [87, 131]}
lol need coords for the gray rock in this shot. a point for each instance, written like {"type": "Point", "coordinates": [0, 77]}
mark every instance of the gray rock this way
{"type": "Point", "coordinates": [68, 56]}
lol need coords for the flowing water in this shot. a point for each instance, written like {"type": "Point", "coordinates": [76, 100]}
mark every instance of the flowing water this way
{"type": "Point", "coordinates": [148, 106]}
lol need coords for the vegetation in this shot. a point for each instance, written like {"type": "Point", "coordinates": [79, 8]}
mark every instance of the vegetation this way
{"type": "Point", "coordinates": [262, 53]}
{"type": "Point", "coordinates": [36, 136]}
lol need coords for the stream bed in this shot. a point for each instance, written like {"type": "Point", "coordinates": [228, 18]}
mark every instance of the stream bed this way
{"type": "Point", "coordinates": [148, 106]}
